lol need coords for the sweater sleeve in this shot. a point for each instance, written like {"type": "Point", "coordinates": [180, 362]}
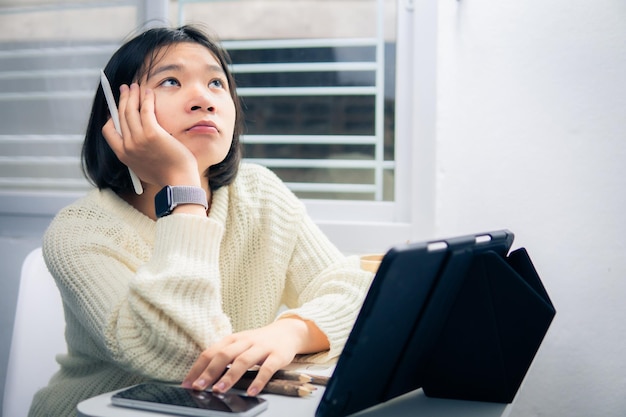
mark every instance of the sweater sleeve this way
{"type": "Point", "coordinates": [322, 284]}
{"type": "Point", "coordinates": [151, 317]}
{"type": "Point", "coordinates": [325, 287]}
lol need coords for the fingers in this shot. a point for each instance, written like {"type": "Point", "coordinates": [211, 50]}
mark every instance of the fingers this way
{"type": "Point", "coordinates": [119, 141]}
{"type": "Point", "coordinates": [212, 363]}
{"type": "Point", "coordinates": [130, 120]}
{"type": "Point", "coordinates": [140, 128]}
{"type": "Point", "coordinates": [147, 113]}
{"type": "Point", "coordinates": [112, 137]}
{"type": "Point", "coordinates": [121, 108]}
{"type": "Point", "coordinates": [222, 366]}
{"type": "Point", "coordinates": [238, 368]}
{"type": "Point", "coordinates": [265, 373]}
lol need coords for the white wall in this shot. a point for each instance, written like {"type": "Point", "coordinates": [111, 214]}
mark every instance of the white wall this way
{"type": "Point", "coordinates": [531, 136]}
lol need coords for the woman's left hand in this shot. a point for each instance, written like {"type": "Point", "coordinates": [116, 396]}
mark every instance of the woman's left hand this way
{"type": "Point", "coordinates": [272, 347]}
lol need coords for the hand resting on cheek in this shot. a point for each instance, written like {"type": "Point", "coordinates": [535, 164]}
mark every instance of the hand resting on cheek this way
{"type": "Point", "coordinates": [149, 150]}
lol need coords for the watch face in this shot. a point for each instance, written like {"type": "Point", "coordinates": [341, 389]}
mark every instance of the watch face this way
{"type": "Point", "coordinates": [163, 202]}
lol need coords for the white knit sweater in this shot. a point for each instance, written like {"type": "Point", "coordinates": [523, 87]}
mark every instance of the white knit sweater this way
{"type": "Point", "coordinates": [142, 298]}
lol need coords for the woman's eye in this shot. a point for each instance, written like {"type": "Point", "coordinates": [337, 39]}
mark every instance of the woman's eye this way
{"type": "Point", "coordinates": [217, 83]}
{"type": "Point", "coordinates": [170, 82]}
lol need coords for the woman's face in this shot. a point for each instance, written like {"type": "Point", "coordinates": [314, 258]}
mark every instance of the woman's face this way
{"type": "Point", "coordinates": [193, 101]}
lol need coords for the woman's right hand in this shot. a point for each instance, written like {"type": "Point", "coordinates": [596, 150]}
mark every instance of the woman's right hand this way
{"type": "Point", "coordinates": [271, 347]}
{"type": "Point", "coordinates": [144, 146]}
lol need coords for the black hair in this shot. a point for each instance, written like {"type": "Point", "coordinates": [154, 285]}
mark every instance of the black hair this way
{"type": "Point", "coordinates": [128, 64]}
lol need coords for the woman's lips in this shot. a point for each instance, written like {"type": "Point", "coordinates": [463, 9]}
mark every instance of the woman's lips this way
{"type": "Point", "coordinates": [203, 127]}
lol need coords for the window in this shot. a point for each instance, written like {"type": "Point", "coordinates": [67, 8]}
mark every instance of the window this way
{"type": "Point", "coordinates": [50, 58]}
{"type": "Point", "coordinates": [319, 93]}
{"type": "Point", "coordinates": [324, 111]}
{"type": "Point", "coordinates": [322, 107]}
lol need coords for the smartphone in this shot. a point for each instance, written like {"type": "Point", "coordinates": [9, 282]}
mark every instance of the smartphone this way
{"type": "Point", "coordinates": [187, 402]}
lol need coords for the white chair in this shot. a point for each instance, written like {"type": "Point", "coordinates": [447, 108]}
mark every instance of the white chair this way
{"type": "Point", "coordinates": [38, 336]}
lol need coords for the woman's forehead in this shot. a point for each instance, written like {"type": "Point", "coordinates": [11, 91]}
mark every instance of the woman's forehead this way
{"type": "Point", "coordinates": [180, 53]}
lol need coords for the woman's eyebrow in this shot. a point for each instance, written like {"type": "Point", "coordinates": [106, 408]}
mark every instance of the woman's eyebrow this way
{"type": "Point", "coordinates": [176, 67]}
{"type": "Point", "coordinates": [164, 68]}
{"type": "Point", "coordinates": [216, 68]}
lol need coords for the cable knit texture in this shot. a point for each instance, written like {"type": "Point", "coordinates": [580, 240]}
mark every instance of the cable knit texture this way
{"type": "Point", "coordinates": [142, 298]}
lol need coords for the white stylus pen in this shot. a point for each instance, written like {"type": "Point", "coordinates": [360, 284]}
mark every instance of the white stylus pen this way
{"type": "Point", "coordinates": [108, 94]}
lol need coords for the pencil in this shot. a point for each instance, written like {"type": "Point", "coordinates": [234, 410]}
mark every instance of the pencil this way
{"type": "Point", "coordinates": [277, 386]}
{"type": "Point", "coordinates": [292, 376]}
{"type": "Point", "coordinates": [297, 376]}
{"type": "Point", "coordinates": [285, 388]}
{"type": "Point", "coordinates": [319, 380]}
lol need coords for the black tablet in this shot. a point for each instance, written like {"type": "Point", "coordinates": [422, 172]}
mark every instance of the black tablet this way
{"type": "Point", "coordinates": [422, 296]}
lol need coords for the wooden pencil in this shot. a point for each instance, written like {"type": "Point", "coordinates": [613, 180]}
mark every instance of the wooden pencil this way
{"type": "Point", "coordinates": [277, 386]}
{"type": "Point", "coordinates": [292, 376]}
{"type": "Point", "coordinates": [302, 377]}
{"type": "Point", "coordinates": [285, 375]}
{"type": "Point", "coordinates": [319, 380]}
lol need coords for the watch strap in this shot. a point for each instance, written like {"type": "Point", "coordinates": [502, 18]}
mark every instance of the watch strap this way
{"type": "Point", "coordinates": [172, 196]}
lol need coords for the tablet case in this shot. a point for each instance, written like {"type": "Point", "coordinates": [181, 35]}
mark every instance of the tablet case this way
{"type": "Point", "coordinates": [463, 322]}
{"type": "Point", "coordinates": [493, 330]}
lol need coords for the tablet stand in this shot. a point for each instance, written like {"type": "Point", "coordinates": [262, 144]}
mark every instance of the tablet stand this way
{"type": "Point", "coordinates": [494, 325]}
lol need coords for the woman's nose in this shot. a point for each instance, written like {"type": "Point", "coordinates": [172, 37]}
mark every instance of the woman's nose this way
{"type": "Point", "coordinates": [201, 100]}
{"type": "Point", "coordinates": [209, 108]}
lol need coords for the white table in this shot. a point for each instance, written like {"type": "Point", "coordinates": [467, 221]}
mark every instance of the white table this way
{"type": "Point", "coordinates": [412, 404]}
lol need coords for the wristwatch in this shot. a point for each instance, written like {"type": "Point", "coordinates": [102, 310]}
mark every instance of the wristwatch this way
{"type": "Point", "coordinates": [170, 197]}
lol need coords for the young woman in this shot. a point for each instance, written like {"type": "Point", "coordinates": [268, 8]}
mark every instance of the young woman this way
{"type": "Point", "coordinates": [185, 281]}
